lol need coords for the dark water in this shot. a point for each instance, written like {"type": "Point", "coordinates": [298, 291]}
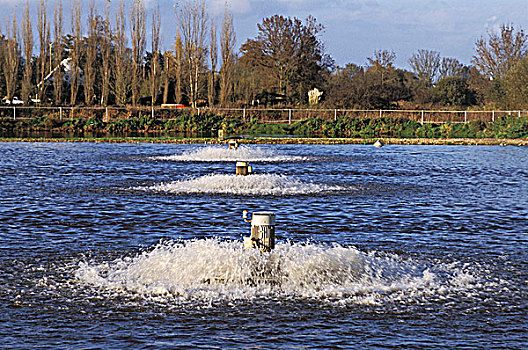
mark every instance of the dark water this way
{"type": "Point", "coordinates": [139, 246]}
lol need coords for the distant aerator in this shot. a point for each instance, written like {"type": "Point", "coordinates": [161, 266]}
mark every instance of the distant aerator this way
{"type": "Point", "coordinates": [243, 168]}
{"type": "Point", "coordinates": [233, 144]}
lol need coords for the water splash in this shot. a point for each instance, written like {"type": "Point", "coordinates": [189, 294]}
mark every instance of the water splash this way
{"type": "Point", "coordinates": [215, 270]}
{"type": "Point", "coordinates": [223, 154]}
{"type": "Point", "coordinates": [257, 184]}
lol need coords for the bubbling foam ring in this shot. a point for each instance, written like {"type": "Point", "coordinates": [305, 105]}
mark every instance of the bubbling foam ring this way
{"type": "Point", "coordinates": [221, 154]}
{"type": "Point", "coordinates": [257, 184]}
{"type": "Point", "coordinates": [215, 270]}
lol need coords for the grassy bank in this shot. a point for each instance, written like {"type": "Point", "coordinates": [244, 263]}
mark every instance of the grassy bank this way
{"type": "Point", "coordinates": [342, 130]}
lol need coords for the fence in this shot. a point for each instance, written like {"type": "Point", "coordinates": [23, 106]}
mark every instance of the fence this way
{"type": "Point", "coordinates": [262, 115]}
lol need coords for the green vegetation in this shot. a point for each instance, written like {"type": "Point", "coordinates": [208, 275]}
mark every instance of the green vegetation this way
{"type": "Point", "coordinates": [509, 127]}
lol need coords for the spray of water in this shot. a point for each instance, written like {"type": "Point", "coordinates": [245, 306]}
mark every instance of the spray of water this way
{"type": "Point", "coordinates": [211, 269]}
{"type": "Point", "coordinates": [257, 184]}
{"type": "Point", "coordinates": [223, 154]}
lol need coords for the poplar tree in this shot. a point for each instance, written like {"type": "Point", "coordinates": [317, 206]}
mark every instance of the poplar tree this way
{"type": "Point", "coordinates": [154, 71]}
{"type": "Point", "coordinates": [90, 57]}
{"type": "Point", "coordinates": [44, 42]}
{"type": "Point", "coordinates": [105, 42]}
{"type": "Point", "coordinates": [58, 76]}
{"type": "Point", "coordinates": [75, 51]}
{"type": "Point", "coordinates": [27, 38]}
{"type": "Point", "coordinates": [121, 55]}
{"type": "Point", "coordinates": [11, 58]}
{"type": "Point", "coordinates": [213, 51]}
{"type": "Point", "coordinates": [138, 32]}
{"type": "Point", "coordinates": [227, 52]}
{"type": "Point", "coordinates": [178, 51]}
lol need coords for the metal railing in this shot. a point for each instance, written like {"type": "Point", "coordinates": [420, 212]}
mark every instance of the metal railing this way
{"type": "Point", "coordinates": [262, 115]}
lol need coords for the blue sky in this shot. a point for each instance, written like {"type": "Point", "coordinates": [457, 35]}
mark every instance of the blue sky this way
{"type": "Point", "coordinates": [354, 28]}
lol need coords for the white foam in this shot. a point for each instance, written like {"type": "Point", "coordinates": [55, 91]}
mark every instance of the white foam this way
{"type": "Point", "coordinates": [221, 154]}
{"type": "Point", "coordinates": [256, 184]}
{"type": "Point", "coordinates": [214, 270]}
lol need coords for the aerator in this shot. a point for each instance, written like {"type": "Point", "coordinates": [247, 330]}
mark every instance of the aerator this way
{"type": "Point", "coordinates": [262, 230]}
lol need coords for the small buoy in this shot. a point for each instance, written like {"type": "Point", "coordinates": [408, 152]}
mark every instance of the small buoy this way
{"type": "Point", "coordinates": [378, 144]}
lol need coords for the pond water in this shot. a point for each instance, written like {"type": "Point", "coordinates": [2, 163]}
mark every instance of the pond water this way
{"type": "Point", "coordinates": [140, 246]}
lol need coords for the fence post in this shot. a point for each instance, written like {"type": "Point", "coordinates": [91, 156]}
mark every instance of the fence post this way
{"type": "Point", "coordinates": [289, 116]}
{"type": "Point", "coordinates": [14, 113]}
{"type": "Point", "coordinates": [335, 114]}
{"type": "Point", "coordinates": [244, 115]}
{"type": "Point", "coordinates": [465, 117]}
{"type": "Point", "coordinates": [493, 116]}
{"type": "Point", "coordinates": [422, 120]}
{"type": "Point", "coordinates": [106, 114]}
{"type": "Point", "coordinates": [519, 113]}
{"type": "Point", "coordinates": [152, 112]}
{"type": "Point", "coordinates": [198, 110]}
{"type": "Point", "coordinates": [380, 114]}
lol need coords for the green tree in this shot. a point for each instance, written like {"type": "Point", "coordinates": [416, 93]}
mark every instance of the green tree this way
{"type": "Point", "coordinates": [454, 92]}
{"type": "Point", "coordinates": [289, 53]}
{"type": "Point", "coordinates": [515, 86]}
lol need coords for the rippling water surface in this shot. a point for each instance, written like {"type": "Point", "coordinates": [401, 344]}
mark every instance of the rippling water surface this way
{"type": "Point", "coordinates": [127, 245]}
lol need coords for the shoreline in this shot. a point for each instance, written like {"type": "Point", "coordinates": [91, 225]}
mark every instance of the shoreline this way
{"type": "Point", "coordinates": [287, 141]}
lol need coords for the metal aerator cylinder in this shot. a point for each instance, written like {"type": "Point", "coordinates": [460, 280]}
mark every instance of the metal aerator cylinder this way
{"type": "Point", "coordinates": [243, 168]}
{"type": "Point", "coordinates": [262, 231]}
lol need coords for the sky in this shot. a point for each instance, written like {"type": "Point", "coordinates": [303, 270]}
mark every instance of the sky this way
{"type": "Point", "coordinates": [354, 29]}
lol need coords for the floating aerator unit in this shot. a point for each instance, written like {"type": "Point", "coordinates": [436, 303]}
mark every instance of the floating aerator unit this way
{"type": "Point", "coordinates": [233, 144]}
{"type": "Point", "coordinates": [262, 231]}
{"type": "Point", "coordinates": [243, 168]}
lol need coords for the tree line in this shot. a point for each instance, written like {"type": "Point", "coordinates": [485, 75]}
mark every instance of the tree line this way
{"type": "Point", "coordinates": [105, 59]}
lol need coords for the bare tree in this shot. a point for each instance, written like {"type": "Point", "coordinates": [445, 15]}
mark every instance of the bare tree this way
{"type": "Point", "coordinates": [91, 56]}
{"type": "Point", "coordinates": [138, 29]}
{"type": "Point", "coordinates": [154, 72]}
{"type": "Point", "coordinates": [501, 51]}
{"type": "Point", "coordinates": [178, 50]}
{"type": "Point", "coordinates": [44, 41]}
{"type": "Point", "coordinates": [75, 51]}
{"type": "Point", "coordinates": [58, 76]}
{"type": "Point", "coordinates": [383, 59]}
{"type": "Point", "coordinates": [425, 64]}
{"type": "Point", "coordinates": [105, 42]}
{"type": "Point", "coordinates": [193, 24]}
{"type": "Point", "coordinates": [27, 38]}
{"type": "Point", "coordinates": [213, 51]}
{"type": "Point", "coordinates": [227, 51]}
{"type": "Point", "coordinates": [11, 57]}
{"type": "Point", "coordinates": [450, 67]}
{"type": "Point", "coordinates": [121, 54]}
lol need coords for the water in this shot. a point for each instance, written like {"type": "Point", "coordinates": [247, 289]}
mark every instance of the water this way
{"type": "Point", "coordinates": [140, 246]}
